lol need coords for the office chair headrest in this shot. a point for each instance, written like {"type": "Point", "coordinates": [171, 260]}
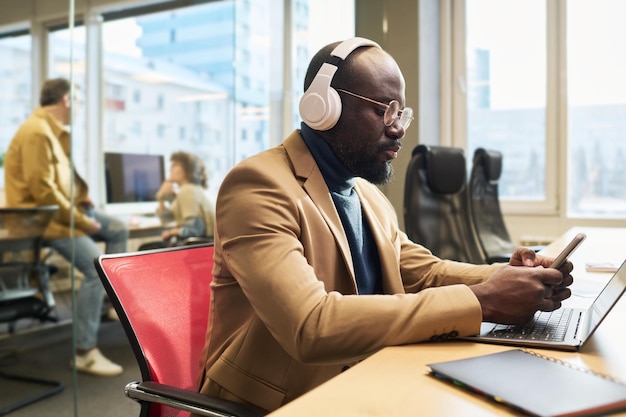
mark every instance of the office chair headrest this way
{"type": "Point", "coordinates": [491, 161]}
{"type": "Point", "coordinates": [445, 168]}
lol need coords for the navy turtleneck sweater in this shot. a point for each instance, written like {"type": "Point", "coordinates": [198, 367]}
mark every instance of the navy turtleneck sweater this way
{"type": "Point", "coordinates": [340, 182]}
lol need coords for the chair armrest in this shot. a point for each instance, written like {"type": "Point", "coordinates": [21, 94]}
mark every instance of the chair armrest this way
{"type": "Point", "coordinates": [187, 400]}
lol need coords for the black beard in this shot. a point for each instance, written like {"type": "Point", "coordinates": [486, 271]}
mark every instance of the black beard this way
{"type": "Point", "coordinates": [360, 165]}
{"type": "Point", "coordinates": [357, 163]}
{"type": "Point", "coordinates": [377, 174]}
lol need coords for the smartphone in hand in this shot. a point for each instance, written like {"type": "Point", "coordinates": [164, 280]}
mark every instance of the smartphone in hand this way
{"type": "Point", "coordinates": [571, 247]}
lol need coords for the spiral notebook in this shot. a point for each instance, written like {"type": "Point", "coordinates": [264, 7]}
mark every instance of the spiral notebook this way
{"type": "Point", "coordinates": [535, 384]}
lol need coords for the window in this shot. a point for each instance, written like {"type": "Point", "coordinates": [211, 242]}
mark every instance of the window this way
{"type": "Point", "coordinates": [506, 90]}
{"type": "Point", "coordinates": [221, 74]}
{"type": "Point", "coordinates": [135, 128]}
{"type": "Point", "coordinates": [596, 108]}
{"type": "Point", "coordinates": [161, 131]}
{"type": "Point", "coordinates": [541, 82]}
{"type": "Point", "coordinates": [15, 84]}
{"type": "Point", "coordinates": [160, 102]}
{"type": "Point", "coordinates": [188, 78]}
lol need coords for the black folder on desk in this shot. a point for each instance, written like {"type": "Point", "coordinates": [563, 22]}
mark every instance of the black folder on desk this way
{"type": "Point", "coordinates": [535, 384]}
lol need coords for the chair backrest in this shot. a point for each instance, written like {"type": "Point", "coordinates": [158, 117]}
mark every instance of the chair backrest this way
{"type": "Point", "coordinates": [163, 298]}
{"type": "Point", "coordinates": [436, 211]}
{"type": "Point", "coordinates": [485, 205]}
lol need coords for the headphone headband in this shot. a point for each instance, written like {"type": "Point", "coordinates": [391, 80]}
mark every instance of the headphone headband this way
{"type": "Point", "coordinates": [320, 106]}
{"type": "Point", "coordinates": [346, 47]}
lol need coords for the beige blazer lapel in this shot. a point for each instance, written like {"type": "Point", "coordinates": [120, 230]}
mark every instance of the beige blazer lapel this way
{"type": "Point", "coordinates": [313, 183]}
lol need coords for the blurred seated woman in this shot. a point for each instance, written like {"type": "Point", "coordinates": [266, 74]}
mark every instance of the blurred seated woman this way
{"type": "Point", "coordinates": [182, 199]}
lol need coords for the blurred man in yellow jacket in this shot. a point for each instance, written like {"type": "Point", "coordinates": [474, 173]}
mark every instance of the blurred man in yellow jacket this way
{"type": "Point", "coordinates": [38, 172]}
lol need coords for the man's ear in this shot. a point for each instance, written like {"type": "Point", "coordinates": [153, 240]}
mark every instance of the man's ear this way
{"type": "Point", "coordinates": [66, 100]}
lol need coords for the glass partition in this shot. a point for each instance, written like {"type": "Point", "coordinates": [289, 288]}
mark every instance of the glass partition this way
{"type": "Point", "coordinates": [66, 58]}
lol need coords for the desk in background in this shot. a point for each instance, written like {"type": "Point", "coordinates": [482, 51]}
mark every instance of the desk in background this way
{"type": "Point", "coordinates": [141, 226]}
{"type": "Point", "coordinates": [140, 232]}
{"type": "Point", "coordinates": [395, 381]}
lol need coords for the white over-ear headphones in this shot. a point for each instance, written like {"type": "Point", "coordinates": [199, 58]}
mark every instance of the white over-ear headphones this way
{"type": "Point", "coordinates": [320, 106]}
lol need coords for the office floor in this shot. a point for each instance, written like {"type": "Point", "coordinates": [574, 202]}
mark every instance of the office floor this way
{"type": "Point", "coordinates": [45, 351]}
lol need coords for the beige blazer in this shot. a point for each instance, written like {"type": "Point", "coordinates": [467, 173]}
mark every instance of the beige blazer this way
{"type": "Point", "coordinates": [285, 316]}
{"type": "Point", "coordinates": [37, 172]}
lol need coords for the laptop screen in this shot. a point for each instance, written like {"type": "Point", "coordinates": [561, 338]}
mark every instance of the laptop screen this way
{"type": "Point", "coordinates": [607, 298]}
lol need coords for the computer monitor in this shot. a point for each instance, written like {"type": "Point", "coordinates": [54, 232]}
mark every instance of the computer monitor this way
{"type": "Point", "coordinates": [132, 181]}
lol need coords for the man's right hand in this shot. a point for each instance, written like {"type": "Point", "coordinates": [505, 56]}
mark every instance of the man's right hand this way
{"type": "Point", "coordinates": [94, 227]}
{"type": "Point", "coordinates": [166, 189]}
{"type": "Point", "coordinates": [513, 294]}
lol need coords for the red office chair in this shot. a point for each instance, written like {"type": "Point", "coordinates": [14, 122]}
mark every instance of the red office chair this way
{"type": "Point", "coordinates": [163, 298]}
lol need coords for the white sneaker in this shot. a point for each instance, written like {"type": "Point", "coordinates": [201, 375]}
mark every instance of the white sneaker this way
{"type": "Point", "coordinates": [112, 314]}
{"type": "Point", "coordinates": [93, 362]}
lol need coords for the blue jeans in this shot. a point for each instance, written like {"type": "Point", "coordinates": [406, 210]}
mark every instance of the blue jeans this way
{"type": "Point", "coordinates": [114, 233]}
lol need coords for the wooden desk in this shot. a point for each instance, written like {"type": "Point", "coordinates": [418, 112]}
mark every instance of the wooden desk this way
{"type": "Point", "coordinates": [146, 226]}
{"type": "Point", "coordinates": [395, 381]}
{"type": "Point", "coordinates": [138, 232]}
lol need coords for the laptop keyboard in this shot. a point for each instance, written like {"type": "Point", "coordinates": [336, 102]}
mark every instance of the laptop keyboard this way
{"type": "Point", "coordinates": [547, 325]}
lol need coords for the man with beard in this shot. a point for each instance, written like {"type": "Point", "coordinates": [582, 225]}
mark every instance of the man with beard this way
{"type": "Point", "coordinates": [312, 273]}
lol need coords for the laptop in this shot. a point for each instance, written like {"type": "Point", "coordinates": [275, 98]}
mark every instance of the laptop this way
{"type": "Point", "coordinates": [563, 329]}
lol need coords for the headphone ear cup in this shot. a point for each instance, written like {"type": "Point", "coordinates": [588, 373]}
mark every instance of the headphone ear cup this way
{"type": "Point", "coordinates": [312, 108]}
{"type": "Point", "coordinates": [321, 111]}
{"type": "Point", "coordinates": [320, 106]}
{"type": "Point", "coordinates": [334, 109]}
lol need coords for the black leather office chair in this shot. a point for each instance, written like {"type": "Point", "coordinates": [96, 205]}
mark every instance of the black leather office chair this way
{"type": "Point", "coordinates": [24, 284]}
{"type": "Point", "coordinates": [492, 232]}
{"type": "Point", "coordinates": [436, 212]}
{"type": "Point", "coordinates": [485, 206]}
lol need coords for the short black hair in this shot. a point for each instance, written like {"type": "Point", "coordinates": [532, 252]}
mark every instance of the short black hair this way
{"type": "Point", "coordinates": [53, 91]}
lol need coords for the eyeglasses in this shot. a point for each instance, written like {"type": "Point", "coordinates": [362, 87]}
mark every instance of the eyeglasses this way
{"type": "Point", "coordinates": [392, 110]}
